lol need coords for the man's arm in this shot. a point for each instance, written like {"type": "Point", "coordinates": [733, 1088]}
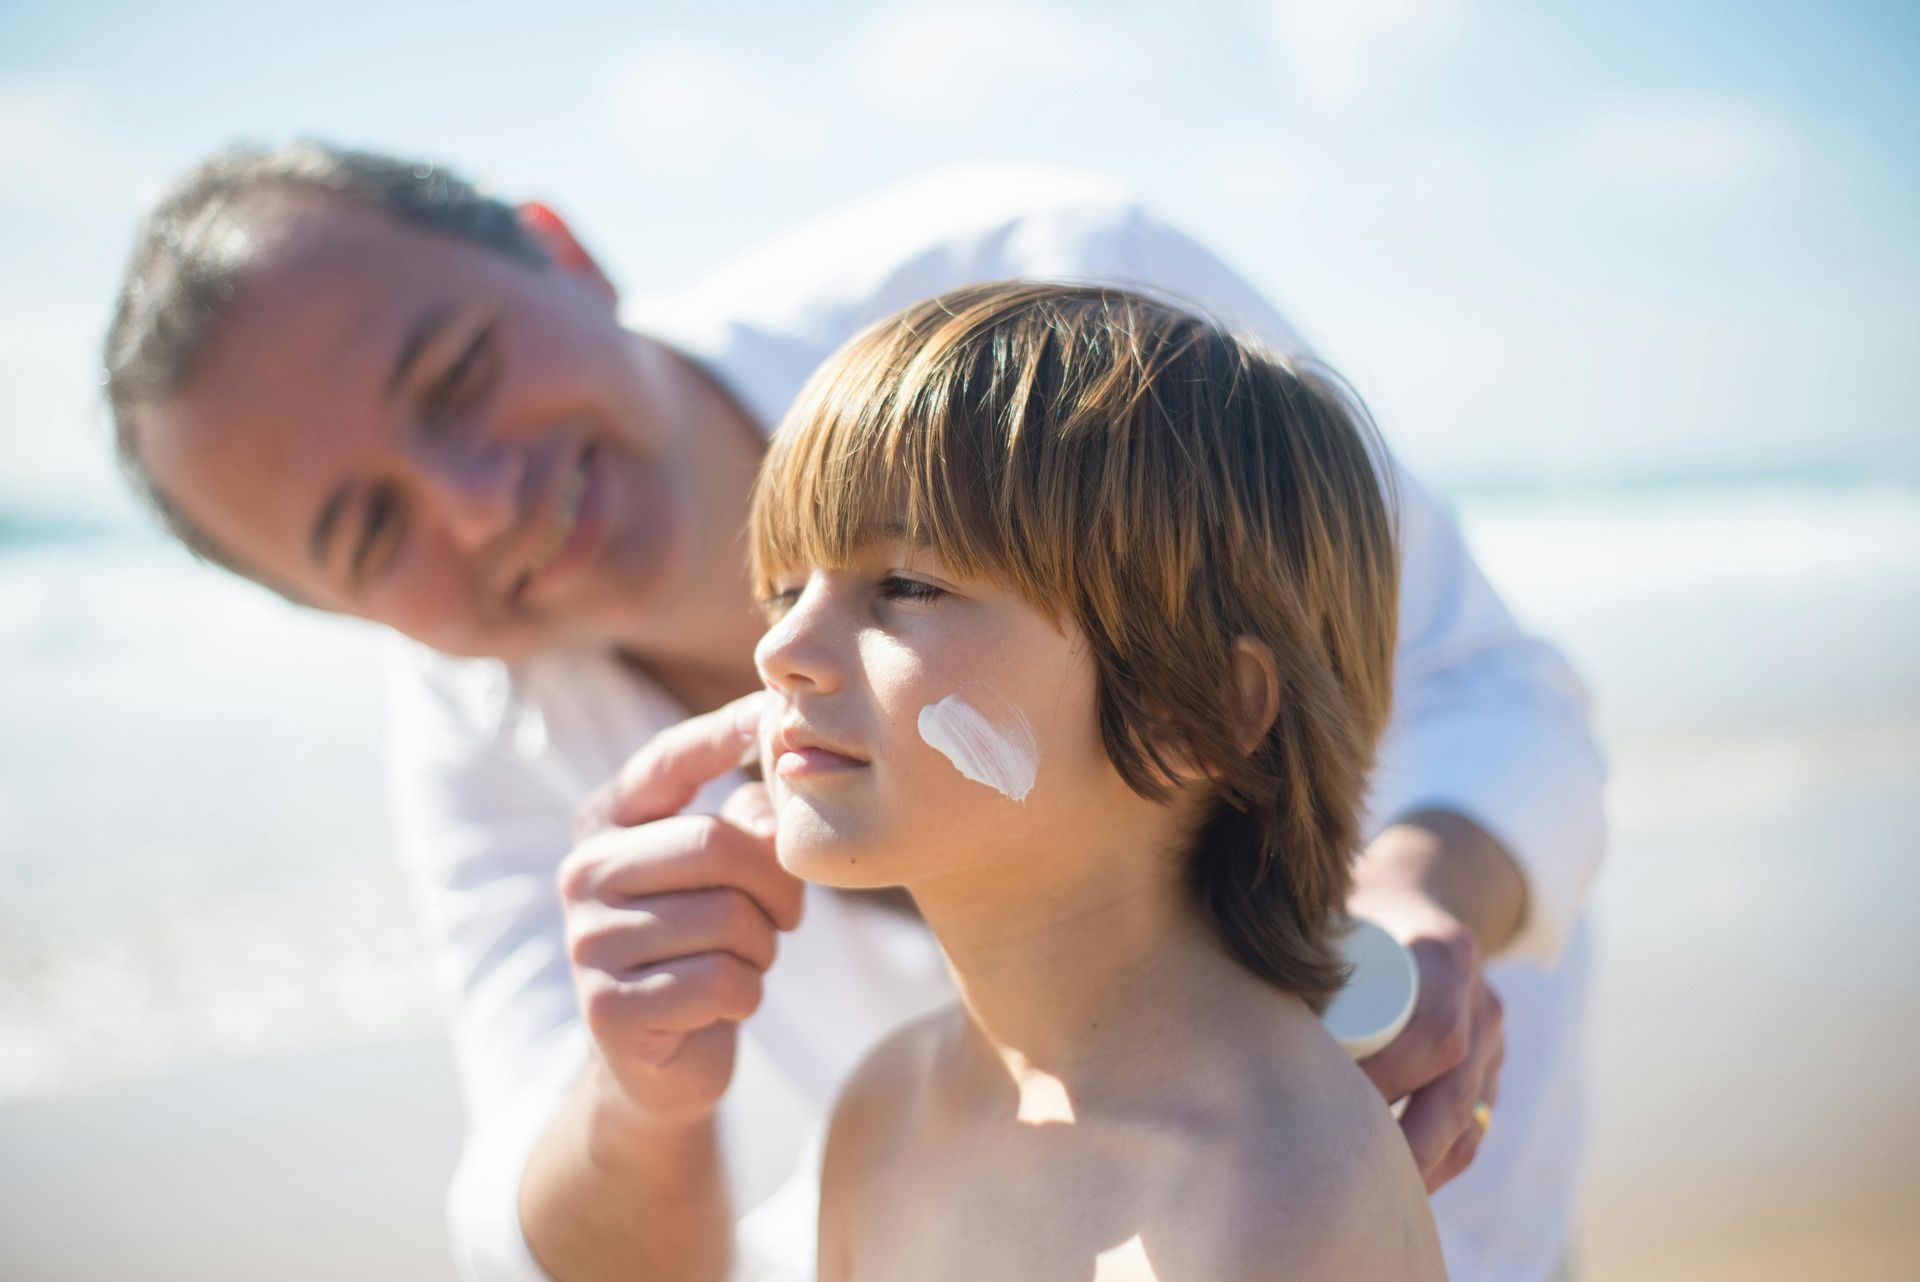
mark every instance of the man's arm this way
{"type": "Point", "coordinates": [480, 831]}
{"type": "Point", "coordinates": [557, 1176]}
{"type": "Point", "coordinates": [606, 1194]}
{"type": "Point", "coordinates": [1445, 888]}
{"type": "Point", "coordinates": [671, 920]}
{"type": "Point", "coordinates": [1487, 801]}
{"type": "Point", "coordinates": [1453, 864]}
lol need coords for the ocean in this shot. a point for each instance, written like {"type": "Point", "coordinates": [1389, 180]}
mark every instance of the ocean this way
{"type": "Point", "coordinates": [193, 831]}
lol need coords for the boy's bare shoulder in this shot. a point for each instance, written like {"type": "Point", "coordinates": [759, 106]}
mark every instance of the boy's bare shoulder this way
{"type": "Point", "coordinates": [884, 1088]}
{"type": "Point", "coordinates": [883, 1098]}
{"type": "Point", "coordinates": [1325, 1188]}
{"type": "Point", "coordinates": [870, 1125]}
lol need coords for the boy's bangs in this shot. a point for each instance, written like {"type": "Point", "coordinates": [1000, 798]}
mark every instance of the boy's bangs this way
{"type": "Point", "coordinates": [880, 450]}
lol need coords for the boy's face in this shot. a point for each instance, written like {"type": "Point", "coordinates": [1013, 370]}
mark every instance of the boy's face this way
{"type": "Point", "coordinates": [927, 726]}
{"type": "Point", "coordinates": [425, 432]}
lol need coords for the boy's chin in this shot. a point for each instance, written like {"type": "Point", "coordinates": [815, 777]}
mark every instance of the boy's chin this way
{"type": "Point", "coordinates": [833, 864]}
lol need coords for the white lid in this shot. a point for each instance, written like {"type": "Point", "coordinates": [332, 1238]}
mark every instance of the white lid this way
{"type": "Point", "coordinates": [1378, 1000]}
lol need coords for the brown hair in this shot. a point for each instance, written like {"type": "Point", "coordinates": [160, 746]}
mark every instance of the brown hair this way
{"type": "Point", "coordinates": [1170, 488]}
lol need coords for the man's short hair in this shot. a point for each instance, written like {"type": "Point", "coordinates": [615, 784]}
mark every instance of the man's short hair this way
{"type": "Point", "coordinates": [190, 254]}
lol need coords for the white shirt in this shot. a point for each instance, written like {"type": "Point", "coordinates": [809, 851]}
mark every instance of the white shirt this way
{"type": "Point", "coordinates": [490, 762]}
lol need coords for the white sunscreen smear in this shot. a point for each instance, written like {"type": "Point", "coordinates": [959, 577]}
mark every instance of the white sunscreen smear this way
{"type": "Point", "coordinates": [1003, 757]}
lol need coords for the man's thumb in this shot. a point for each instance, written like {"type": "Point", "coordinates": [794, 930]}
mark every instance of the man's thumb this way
{"type": "Point", "coordinates": [751, 807]}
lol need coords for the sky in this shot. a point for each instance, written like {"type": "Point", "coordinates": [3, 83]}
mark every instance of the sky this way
{"type": "Point", "coordinates": [1561, 246]}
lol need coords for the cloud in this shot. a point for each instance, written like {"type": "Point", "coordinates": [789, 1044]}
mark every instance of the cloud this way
{"type": "Point", "coordinates": [1683, 143]}
{"type": "Point", "coordinates": [58, 155]}
{"type": "Point", "coordinates": [976, 63]}
{"type": "Point", "coordinates": [687, 99]}
{"type": "Point", "coordinates": [1335, 48]}
{"type": "Point", "coordinates": [703, 108]}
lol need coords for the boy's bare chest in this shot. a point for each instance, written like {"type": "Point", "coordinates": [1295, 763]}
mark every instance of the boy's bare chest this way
{"type": "Point", "coordinates": [1038, 1204]}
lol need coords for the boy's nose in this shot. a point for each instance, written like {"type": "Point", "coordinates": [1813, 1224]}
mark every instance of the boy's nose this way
{"type": "Point", "coordinates": [795, 653]}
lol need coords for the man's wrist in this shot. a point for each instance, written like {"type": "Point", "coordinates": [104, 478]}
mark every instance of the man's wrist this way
{"type": "Point", "coordinates": [610, 1193]}
{"type": "Point", "coordinates": [621, 1138]}
{"type": "Point", "coordinates": [1453, 864]}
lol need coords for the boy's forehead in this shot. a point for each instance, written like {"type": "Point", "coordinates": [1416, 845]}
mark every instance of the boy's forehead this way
{"type": "Point", "coordinates": [822, 549]}
{"type": "Point", "coordinates": [888, 535]}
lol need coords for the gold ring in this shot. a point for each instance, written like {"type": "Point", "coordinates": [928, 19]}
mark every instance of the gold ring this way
{"type": "Point", "coordinates": [1482, 1115]}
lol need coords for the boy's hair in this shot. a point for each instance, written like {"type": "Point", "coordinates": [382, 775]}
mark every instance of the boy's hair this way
{"type": "Point", "coordinates": [1170, 488]}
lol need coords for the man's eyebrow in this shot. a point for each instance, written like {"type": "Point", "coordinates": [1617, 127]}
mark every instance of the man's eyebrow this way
{"type": "Point", "coordinates": [417, 339]}
{"type": "Point", "coordinates": [324, 523]}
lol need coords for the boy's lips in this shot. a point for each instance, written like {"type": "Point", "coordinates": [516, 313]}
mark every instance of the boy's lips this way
{"type": "Point", "coordinates": [799, 750]}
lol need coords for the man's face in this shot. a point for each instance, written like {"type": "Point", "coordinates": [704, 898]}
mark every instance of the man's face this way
{"type": "Point", "coordinates": [427, 433]}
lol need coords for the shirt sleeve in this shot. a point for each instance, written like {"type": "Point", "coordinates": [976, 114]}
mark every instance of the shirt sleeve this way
{"type": "Point", "coordinates": [481, 834]}
{"type": "Point", "coordinates": [1489, 722]}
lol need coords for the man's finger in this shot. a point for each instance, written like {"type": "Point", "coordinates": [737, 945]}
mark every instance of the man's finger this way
{"type": "Point", "coordinates": [1440, 1114]}
{"type": "Point", "coordinates": [684, 852]}
{"type": "Point", "coordinates": [663, 927]}
{"type": "Point", "coordinates": [1455, 1160]}
{"type": "Point", "coordinates": [661, 778]}
{"type": "Point", "coordinates": [675, 996]}
{"type": "Point", "coordinates": [1436, 1116]}
{"type": "Point", "coordinates": [750, 807]}
{"type": "Point", "coordinates": [1467, 1146]}
{"type": "Point", "coordinates": [1438, 1037]}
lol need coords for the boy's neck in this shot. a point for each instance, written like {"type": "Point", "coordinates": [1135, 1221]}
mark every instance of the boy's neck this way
{"type": "Point", "coordinates": [1092, 976]}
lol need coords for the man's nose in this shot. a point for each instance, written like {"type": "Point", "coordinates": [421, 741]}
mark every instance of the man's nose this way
{"type": "Point", "coordinates": [798, 652]}
{"type": "Point", "coordinates": [475, 492]}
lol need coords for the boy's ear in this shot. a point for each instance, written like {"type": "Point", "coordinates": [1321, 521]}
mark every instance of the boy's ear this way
{"type": "Point", "coordinates": [1259, 678]}
{"type": "Point", "coordinates": [568, 254]}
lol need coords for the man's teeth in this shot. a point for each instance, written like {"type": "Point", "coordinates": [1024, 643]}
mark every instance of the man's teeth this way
{"type": "Point", "coordinates": [565, 512]}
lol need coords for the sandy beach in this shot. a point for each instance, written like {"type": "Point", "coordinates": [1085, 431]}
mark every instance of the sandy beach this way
{"type": "Point", "coordinates": [223, 1057]}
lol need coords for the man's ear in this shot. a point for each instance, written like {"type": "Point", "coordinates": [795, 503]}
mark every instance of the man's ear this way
{"type": "Point", "coordinates": [568, 254]}
{"type": "Point", "coordinates": [1259, 678]}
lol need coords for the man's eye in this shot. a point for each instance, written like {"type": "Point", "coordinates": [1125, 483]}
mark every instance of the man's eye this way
{"type": "Point", "coordinates": [463, 379]}
{"type": "Point", "coordinates": [899, 588]}
{"type": "Point", "coordinates": [381, 525]}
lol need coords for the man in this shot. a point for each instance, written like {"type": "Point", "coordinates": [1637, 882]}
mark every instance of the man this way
{"type": "Point", "coordinates": [359, 382]}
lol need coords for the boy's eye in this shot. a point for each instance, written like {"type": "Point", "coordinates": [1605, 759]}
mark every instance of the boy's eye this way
{"type": "Point", "coordinates": [775, 604]}
{"type": "Point", "coordinates": [899, 588]}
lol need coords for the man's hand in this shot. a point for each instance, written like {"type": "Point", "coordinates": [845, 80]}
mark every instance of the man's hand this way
{"type": "Point", "coordinates": [673, 919]}
{"type": "Point", "coordinates": [1447, 1059]}
{"type": "Point", "coordinates": [1424, 880]}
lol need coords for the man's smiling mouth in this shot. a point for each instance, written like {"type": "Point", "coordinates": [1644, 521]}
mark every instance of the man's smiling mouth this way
{"type": "Point", "coordinates": [560, 524]}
